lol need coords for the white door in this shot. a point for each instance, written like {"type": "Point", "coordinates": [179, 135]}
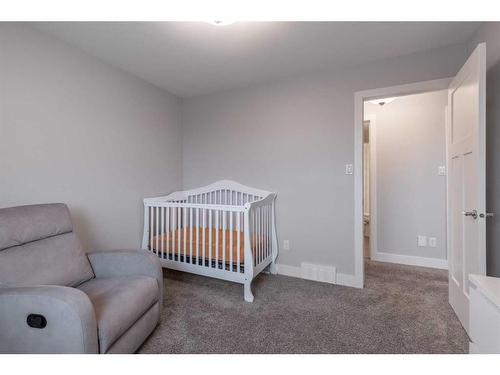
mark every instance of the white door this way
{"type": "Point", "coordinates": [465, 141]}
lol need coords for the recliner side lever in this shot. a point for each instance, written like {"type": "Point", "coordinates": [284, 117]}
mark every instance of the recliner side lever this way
{"type": "Point", "coordinates": [36, 321]}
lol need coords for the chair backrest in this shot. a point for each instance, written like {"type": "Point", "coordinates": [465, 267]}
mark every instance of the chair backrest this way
{"type": "Point", "coordinates": [38, 247]}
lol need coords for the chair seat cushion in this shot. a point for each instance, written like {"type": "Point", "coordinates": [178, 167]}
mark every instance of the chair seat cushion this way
{"type": "Point", "coordinates": [118, 303]}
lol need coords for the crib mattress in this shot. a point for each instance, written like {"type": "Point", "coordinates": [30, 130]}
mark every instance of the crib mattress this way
{"type": "Point", "coordinates": [170, 244]}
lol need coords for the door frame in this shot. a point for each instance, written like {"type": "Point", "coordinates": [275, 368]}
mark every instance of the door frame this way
{"type": "Point", "coordinates": [372, 131]}
{"type": "Point", "coordinates": [359, 98]}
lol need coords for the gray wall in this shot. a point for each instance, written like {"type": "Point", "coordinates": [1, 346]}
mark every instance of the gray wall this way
{"type": "Point", "coordinates": [76, 130]}
{"type": "Point", "coordinates": [410, 146]}
{"type": "Point", "coordinates": [490, 33]}
{"type": "Point", "coordinates": [294, 137]}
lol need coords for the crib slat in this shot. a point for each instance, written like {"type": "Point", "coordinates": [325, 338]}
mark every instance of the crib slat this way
{"type": "Point", "coordinates": [197, 235]}
{"type": "Point", "coordinates": [151, 228]}
{"type": "Point", "coordinates": [269, 226]}
{"type": "Point", "coordinates": [157, 225]}
{"type": "Point", "coordinates": [184, 232]}
{"type": "Point", "coordinates": [173, 239]}
{"type": "Point", "coordinates": [267, 231]}
{"type": "Point", "coordinates": [252, 233]}
{"type": "Point", "coordinates": [238, 243]}
{"type": "Point", "coordinates": [191, 235]}
{"type": "Point", "coordinates": [178, 234]}
{"type": "Point", "coordinates": [259, 242]}
{"type": "Point", "coordinates": [223, 239]}
{"type": "Point", "coordinates": [168, 232]}
{"type": "Point", "coordinates": [230, 241]}
{"type": "Point", "coordinates": [256, 239]}
{"type": "Point", "coordinates": [210, 212]}
{"type": "Point", "coordinates": [266, 225]}
{"type": "Point", "coordinates": [260, 234]}
{"type": "Point", "coordinates": [216, 239]}
{"type": "Point", "coordinates": [203, 236]}
{"type": "Point", "coordinates": [162, 230]}
{"type": "Point", "coordinates": [257, 236]}
{"type": "Point", "coordinates": [174, 231]}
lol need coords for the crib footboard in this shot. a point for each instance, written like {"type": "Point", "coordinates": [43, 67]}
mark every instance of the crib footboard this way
{"type": "Point", "coordinates": [262, 244]}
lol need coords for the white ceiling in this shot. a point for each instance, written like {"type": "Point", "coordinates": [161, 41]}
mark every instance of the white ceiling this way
{"type": "Point", "coordinates": [194, 58]}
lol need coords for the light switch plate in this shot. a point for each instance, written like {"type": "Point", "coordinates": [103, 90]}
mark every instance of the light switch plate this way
{"type": "Point", "coordinates": [348, 169]}
{"type": "Point", "coordinates": [432, 242]}
{"type": "Point", "coordinates": [421, 241]}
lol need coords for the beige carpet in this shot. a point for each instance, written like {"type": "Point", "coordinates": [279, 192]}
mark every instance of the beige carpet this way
{"type": "Point", "coordinates": [402, 309]}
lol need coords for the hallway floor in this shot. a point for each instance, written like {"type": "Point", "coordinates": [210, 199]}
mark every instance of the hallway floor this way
{"type": "Point", "coordinates": [402, 309]}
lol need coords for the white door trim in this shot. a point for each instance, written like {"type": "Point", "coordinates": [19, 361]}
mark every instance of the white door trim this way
{"type": "Point", "coordinates": [359, 98]}
{"type": "Point", "coordinates": [372, 131]}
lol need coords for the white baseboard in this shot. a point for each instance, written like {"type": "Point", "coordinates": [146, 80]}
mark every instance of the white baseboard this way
{"type": "Point", "coordinates": [347, 279]}
{"type": "Point", "coordinates": [411, 260]}
{"type": "Point", "coordinates": [287, 270]}
{"type": "Point", "coordinates": [318, 272]}
{"type": "Point", "coordinates": [340, 278]}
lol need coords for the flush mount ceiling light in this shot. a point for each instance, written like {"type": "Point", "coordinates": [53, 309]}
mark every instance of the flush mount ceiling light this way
{"type": "Point", "coordinates": [220, 23]}
{"type": "Point", "coordinates": [382, 101]}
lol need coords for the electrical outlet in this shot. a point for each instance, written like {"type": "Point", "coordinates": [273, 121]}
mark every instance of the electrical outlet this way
{"type": "Point", "coordinates": [442, 170]}
{"type": "Point", "coordinates": [286, 245]}
{"type": "Point", "coordinates": [421, 241]}
{"type": "Point", "coordinates": [432, 242]}
{"type": "Point", "coordinates": [348, 169]}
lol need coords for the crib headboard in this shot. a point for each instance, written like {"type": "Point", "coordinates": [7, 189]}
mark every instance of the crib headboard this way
{"type": "Point", "coordinates": [220, 192]}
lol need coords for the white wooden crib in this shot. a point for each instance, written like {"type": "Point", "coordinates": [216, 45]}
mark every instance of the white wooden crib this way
{"type": "Point", "coordinates": [224, 230]}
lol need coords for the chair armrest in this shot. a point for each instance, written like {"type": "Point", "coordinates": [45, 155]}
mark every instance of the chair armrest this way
{"type": "Point", "coordinates": [70, 320]}
{"type": "Point", "coordinates": [127, 263]}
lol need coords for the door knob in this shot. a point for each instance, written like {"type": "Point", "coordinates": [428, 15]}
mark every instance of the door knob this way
{"type": "Point", "coordinates": [472, 214]}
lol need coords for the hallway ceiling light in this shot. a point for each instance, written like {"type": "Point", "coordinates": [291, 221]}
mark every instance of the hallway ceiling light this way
{"type": "Point", "coordinates": [383, 101]}
{"type": "Point", "coordinates": [220, 23]}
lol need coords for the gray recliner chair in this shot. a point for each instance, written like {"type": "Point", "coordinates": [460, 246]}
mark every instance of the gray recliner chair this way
{"type": "Point", "coordinates": [55, 298]}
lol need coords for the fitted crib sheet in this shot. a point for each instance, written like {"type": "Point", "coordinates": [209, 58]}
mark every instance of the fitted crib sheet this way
{"type": "Point", "coordinates": [171, 244]}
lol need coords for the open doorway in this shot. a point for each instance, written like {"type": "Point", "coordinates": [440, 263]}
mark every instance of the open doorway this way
{"type": "Point", "coordinates": [404, 179]}
{"type": "Point", "coordinates": [359, 100]}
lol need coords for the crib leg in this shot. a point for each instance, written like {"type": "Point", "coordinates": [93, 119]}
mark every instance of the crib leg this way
{"type": "Point", "coordinates": [272, 268]}
{"type": "Point", "coordinates": [248, 291]}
